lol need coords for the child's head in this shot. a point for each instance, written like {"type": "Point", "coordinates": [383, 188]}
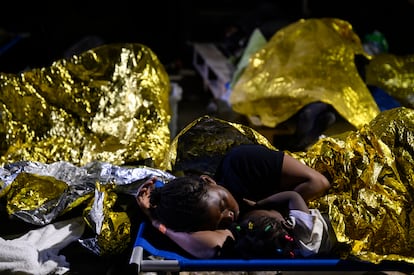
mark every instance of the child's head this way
{"type": "Point", "coordinates": [193, 203]}
{"type": "Point", "coordinates": [263, 236]}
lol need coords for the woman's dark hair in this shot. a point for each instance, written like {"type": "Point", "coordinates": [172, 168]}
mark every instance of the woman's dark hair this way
{"type": "Point", "coordinates": [180, 204]}
{"type": "Point", "coordinates": [262, 237]}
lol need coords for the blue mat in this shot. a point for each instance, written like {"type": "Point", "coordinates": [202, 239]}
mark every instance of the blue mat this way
{"type": "Point", "coordinates": [151, 259]}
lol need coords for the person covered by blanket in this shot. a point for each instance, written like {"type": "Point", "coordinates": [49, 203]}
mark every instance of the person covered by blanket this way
{"type": "Point", "coordinates": [197, 211]}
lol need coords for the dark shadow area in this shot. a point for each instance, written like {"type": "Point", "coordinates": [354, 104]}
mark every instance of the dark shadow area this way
{"type": "Point", "coordinates": [46, 30]}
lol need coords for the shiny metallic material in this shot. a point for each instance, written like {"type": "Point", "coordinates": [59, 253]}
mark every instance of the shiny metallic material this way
{"type": "Point", "coordinates": [395, 75]}
{"type": "Point", "coordinates": [109, 104]}
{"type": "Point", "coordinates": [200, 146]}
{"type": "Point", "coordinates": [307, 61]}
{"type": "Point", "coordinates": [40, 193]}
{"type": "Point", "coordinates": [371, 199]}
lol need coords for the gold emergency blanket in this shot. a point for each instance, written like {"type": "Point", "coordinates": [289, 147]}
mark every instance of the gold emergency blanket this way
{"type": "Point", "coordinates": [395, 75]}
{"type": "Point", "coordinates": [110, 104]}
{"type": "Point", "coordinates": [371, 200]}
{"type": "Point", "coordinates": [371, 170]}
{"type": "Point", "coordinates": [200, 146]}
{"type": "Point", "coordinates": [39, 193]}
{"type": "Point", "coordinates": [307, 61]}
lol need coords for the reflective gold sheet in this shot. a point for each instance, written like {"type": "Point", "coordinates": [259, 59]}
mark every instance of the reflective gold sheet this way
{"type": "Point", "coordinates": [39, 193]}
{"type": "Point", "coordinates": [307, 61]}
{"type": "Point", "coordinates": [371, 201]}
{"type": "Point", "coordinates": [201, 144]}
{"type": "Point", "coordinates": [107, 104]}
{"type": "Point", "coordinates": [395, 75]}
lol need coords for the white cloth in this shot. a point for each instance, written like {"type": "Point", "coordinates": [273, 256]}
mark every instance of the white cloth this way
{"type": "Point", "coordinates": [36, 252]}
{"type": "Point", "coordinates": [308, 229]}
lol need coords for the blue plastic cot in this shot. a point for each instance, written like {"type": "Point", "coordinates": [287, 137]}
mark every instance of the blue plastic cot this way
{"type": "Point", "coordinates": [148, 258]}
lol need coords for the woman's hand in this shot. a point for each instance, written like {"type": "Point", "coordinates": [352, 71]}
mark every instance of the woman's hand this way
{"type": "Point", "coordinates": [143, 195]}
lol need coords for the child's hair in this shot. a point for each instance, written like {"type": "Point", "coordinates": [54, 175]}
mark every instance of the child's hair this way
{"type": "Point", "coordinates": [180, 203]}
{"type": "Point", "coordinates": [262, 236]}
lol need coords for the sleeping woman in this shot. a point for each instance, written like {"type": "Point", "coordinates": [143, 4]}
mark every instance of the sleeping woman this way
{"type": "Point", "coordinates": [206, 208]}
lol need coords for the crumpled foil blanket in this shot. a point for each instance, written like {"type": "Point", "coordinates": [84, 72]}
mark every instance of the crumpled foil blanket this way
{"type": "Point", "coordinates": [371, 199]}
{"type": "Point", "coordinates": [109, 104]}
{"type": "Point", "coordinates": [394, 74]}
{"type": "Point", "coordinates": [39, 193]}
{"type": "Point", "coordinates": [106, 105]}
{"type": "Point", "coordinates": [201, 144]}
{"type": "Point", "coordinates": [307, 61]}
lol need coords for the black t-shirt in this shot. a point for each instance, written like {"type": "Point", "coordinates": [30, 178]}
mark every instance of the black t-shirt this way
{"type": "Point", "coordinates": [251, 171]}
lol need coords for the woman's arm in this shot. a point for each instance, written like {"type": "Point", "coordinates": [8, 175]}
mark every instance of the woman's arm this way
{"type": "Point", "coordinates": [290, 199]}
{"type": "Point", "coordinates": [303, 179]}
{"type": "Point", "coordinates": [200, 244]}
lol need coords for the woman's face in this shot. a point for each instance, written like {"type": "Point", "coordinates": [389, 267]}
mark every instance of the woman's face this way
{"type": "Point", "coordinates": [222, 207]}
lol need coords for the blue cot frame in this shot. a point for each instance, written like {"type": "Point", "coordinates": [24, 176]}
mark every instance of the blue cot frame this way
{"type": "Point", "coordinates": [168, 261]}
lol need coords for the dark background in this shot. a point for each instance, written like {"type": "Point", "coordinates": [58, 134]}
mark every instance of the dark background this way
{"type": "Point", "coordinates": [167, 27]}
